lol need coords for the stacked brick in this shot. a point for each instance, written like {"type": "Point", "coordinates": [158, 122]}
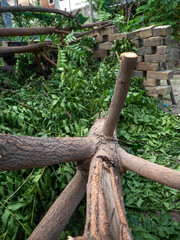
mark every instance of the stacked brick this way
{"type": "Point", "coordinates": [154, 54]}
{"type": "Point", "coordinates": [154, 48]}
{"type": "Point", "coordinates": [105, 39]}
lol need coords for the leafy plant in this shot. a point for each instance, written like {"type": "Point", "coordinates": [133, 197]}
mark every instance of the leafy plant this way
{"type": "Point", "coordinates": [66, 105]}
{"type": "Point", "coordinates": [159, 13]}
{"type": "Point", "coordinates": [124, 45]}
{"type": "Point", "coordinates": [103, 16]}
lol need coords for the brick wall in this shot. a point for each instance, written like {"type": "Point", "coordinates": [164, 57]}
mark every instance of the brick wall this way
{"type": "Point", "coordinates": [155, 54]}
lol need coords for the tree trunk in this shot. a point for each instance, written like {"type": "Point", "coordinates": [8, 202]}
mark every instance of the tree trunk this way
{"type": "Point", "coordinates": [21, 152]}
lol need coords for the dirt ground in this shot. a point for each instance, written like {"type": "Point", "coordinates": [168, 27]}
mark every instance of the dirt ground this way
{"type": "Point", "coordinates": [174, 109]}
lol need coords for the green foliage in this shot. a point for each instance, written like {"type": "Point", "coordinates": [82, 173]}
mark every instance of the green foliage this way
{"type": "Point", "coordinates": [66, 105]}
{"type": "Point", "coordinates": [104, 5]}
{"type": "Point", "coordinates": [29, 19]}
{"type": "Point", "coordinates": [37, 19]}
{"type": "Point", "coordinates": [1, 61]}
{"type": "Point", "coordinates": [56, 107]}
{"type": "Point", "coordinates": [103, 16]}
{"type": "Point", "coordinates": [124, 45]}
{"type": "Point", "coordinates": [76, 52]}
{"type": "Point", "coordinates": [154, 135]}
{"type": "Point", "coordinates": [157, 12]}
{"type": "Point", "coordinates": [119, 21]}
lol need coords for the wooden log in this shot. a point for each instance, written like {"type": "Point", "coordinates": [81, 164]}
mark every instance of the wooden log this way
{"type": "Point", "coordinates": [21, 152]}
{"type": "Point", "coordinates": [150, 170]}
{"type": "Point", "coordinates": [10, 32]}
{"type": "Point", "coordinates": [120, 92]}
{"type": "Point", "coordinates": [61, 211]}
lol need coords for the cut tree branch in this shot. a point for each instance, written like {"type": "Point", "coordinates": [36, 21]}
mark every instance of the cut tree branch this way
{"type": "Point", "coordinates": [120, 92]}
{"type": "Point", "coordinates": [13, 9]}
{"type": "Point", "coordinates": [21, 152]}
{"type": "Point", "coordinates": [13, 32]}
{"type": "Point", "coordinates": [32, 31]}
{"type": "Point", "coordinates": [153, 171]}
{"type": "Point", "coordinates": [92, 25]}
{"type": "Point", "coordinates": [61, 211]}
{"type": "Point", "coordinates": [32, 48]}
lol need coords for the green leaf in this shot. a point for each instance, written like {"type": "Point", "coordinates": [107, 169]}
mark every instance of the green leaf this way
{"type": "Point", "coordinates": [16, 206]}
{"type": "Point", "coordinates": [5, 217]}
{"type": "Point", "coordinates": [139, 202]}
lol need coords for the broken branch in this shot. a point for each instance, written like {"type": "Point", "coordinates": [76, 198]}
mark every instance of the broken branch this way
{"type": "Point", "coordinates": [48, 59]}
{"type": "Point", "coordinates": [34, 9]}
{"type": "Point", "coordinates": [32, 48]}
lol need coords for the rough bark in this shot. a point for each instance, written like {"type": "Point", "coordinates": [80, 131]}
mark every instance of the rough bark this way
{"type": "Point", "coordinates": [153, 171]}
{"type": "Point", "coordinates": [21, 152]}
{"type": "Point", "coordinates": [61, 211]}
{"type": "Point", "coordinates": [120, 92]}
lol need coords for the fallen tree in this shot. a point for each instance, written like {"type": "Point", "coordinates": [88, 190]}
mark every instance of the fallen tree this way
{"type": "Point", "coordinates": [44, 51]}
{"type": "Point", "coordinates": [101, 162]}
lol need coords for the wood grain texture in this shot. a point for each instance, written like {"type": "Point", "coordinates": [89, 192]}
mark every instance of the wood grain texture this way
{"type": "Point", "coordinates": [61, 211]}
{"type": "Point", "coordinates": [20, 152]}
{"type": "Point", "coordinates": [105, 217]}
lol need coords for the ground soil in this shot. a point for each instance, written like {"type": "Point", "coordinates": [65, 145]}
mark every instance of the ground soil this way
{"type": "Point", "coordinates": [171, 108]}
